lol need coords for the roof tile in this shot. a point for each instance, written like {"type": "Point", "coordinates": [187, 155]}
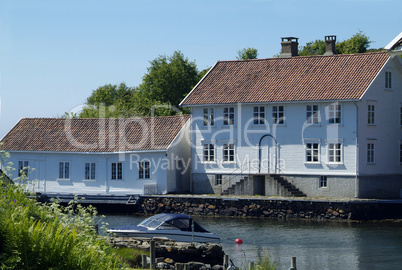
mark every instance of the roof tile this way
{"type": "Point", "coordinates": [303, 78]}
{"type": "Point", "coordinates": [94, 135]}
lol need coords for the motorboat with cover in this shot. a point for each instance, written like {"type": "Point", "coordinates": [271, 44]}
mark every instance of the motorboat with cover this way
{"type": "Point", "coordinates": [178, 227]}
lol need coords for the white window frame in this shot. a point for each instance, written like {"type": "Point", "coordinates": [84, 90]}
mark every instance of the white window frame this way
{"type": "Point", "coordinates": [218, 179]}
{"type": "Point", "coordinates": [64, 170]}
{"type": "Point", "coordinates": [312, 152]}
{"type": "Point", "coordinates": [335, 152]}
{"type": "Point", "coordinates": [144, 170]}
{"type": "Point", "coordinates": [117, 171]}
{"type": "Point", "coordinates": [259, 115]}
{"type": "Point", "coordinates": [370, 157]}
{"type": "Point", "coordinates": [23, 168]}
{"type": "Point", "coordinates": [208, 152]}
{"type": "Point", "coordinates": [228, 116]}
{"type": "Point", "coordinates": [229, 152]}
{"type": "Point", "coordinates": [312, 114]}
{"type": "Point", "coordinates": [278, 115]}
{"type": "Point", "coordinates": [90, 171]}
{"type": "Point", "coordinates": [371, 114]}
{"type": "Point", "coordinates": [388, 80]}
{"type": "Point", "coordinates": [323, 181]}
{"type": "Point", "coordinates": [335, 113]}
{"type": "Point", "coordinates": [208, 117]}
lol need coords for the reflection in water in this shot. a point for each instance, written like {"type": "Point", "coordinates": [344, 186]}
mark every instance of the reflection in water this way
{"type": "Point", "coordinates": [317, 245]}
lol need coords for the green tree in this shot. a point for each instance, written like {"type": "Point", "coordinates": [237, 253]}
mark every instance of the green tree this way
{"type": "Point", "coordinates": [358, 43]}
{"type": "Point", "coordinates": [109, 101]}
{"type": "Point", "coordinates": [247, 53]}
{"type": "Point", "coordinates": [313, 48]}
{"type": "Point", "coordinates": [168, 81]}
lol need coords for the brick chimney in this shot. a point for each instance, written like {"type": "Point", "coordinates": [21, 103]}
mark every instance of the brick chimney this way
{"type": "Point", "coordinates": [330, 45]}
{"type": "Point", "coordinates": [289, 47]}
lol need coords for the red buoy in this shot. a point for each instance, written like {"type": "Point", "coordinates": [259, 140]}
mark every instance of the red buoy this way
{"type": "Point", "coordinates": [238, 241]}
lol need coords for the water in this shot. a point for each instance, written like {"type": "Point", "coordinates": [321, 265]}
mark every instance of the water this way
{"type": "Point", "coordinates": [317, 245]}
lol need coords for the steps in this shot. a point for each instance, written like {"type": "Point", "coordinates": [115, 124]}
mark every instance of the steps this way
{"type": "Point", "coordinates": [290, 188]}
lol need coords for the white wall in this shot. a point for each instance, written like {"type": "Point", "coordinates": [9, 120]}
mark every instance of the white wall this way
{"type": "Point", "coordinates": [386, 133]}
{"type": "Point", "coordinates": [46, 165]}
{"type": "Point", "coordinates": [290, 137]}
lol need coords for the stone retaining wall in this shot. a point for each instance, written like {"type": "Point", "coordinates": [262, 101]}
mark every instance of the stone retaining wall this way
{"type": "Point", "coordinates": [270, 208]}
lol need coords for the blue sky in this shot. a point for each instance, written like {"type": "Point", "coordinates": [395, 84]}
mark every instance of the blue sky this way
{"type": "Point", "coordinates": [53, 54]}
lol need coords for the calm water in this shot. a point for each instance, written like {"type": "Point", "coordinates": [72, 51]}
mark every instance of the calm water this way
{"type": "Point", "coordinates": [317, 245]}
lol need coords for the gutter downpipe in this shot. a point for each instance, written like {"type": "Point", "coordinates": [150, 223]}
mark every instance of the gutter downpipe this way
{"type": "Point", "coordinates": [357, 152]}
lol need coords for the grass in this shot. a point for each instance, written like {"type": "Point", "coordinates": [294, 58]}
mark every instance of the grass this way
{"type": "Point", "coordinates": [263, 263]}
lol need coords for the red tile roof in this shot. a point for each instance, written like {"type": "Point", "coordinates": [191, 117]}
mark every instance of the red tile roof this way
{"type": "Point", "coordinates": [93, 135]}
{"type": "Point", "coordinates": [303, 78]}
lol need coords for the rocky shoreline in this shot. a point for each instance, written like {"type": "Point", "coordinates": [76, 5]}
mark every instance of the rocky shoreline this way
{"type": "Point", "coordinates": [172, 255]}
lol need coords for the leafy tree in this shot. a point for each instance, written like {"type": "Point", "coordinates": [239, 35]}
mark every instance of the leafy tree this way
{"type": "Point", "coordinates": [109, 101]}
{"type": "Point", "coordinates": [313, 48]}
{"type": "Point", "coordinates": [358, 43]}
{"type": "Point", "coordinates": [247, 53]}
{"type": "Point", "coordinates": [168, 81]}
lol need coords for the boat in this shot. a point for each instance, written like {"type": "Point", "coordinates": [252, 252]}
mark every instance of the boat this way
{"type": "Point", "coordinates": [177, 227]}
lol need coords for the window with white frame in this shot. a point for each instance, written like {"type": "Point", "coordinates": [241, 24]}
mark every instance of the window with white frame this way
{"type": "Point", "coordinates": [370, 114]}
{"type": "Point", "coordinates": [90, 171]}
{"type": "Point", "coordinates": [259, 115]}
{"type": "Point", "coordinates": [23, 168]}
{"type": "Point", "coordinates": [209, 119]}
{"type": "Point", "coordinates": [323, 181]}
{"type": "Point", "coordinates": [218, 179]}
{"type": "Point", "coordinates": [388, 79]}
{"type": "Point", "coordinates": [370, 153]}
{"type": "Point", "coordinates": [228, 116]}
{"type": "Point", "coordinates": [64, 170]}
{"type": "Point", "coordinates": [335, 152]}
{"type": "Point", "coordinates": [228, 152]}
{"type": "Point", "coordinates": [278, 115]}
{"type": "Point", "coordinates": [144, 170]}
{"type": "Point", "coordinates": [312, 114]}
{"type": "Point", "coordinates": [117, 171]}
{"type": "Point", "coordinates": [334, 113]}
{"type": "Point", "coordinates": [209, 152]}
{"type": "Point", "coordinates": [312, 152]}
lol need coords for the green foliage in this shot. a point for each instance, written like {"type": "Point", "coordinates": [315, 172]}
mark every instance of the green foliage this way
{"type": "Point", "coordinates": [264, 263]}
{"type": "Point", "coordinates": [133, 257]}
{"type": "Point", "coordinates": [168, 81]}
{"type": "Point", "coordinates": [313, 48]}
{"type": "Point", "coordinates": [247, 53]}
{"type": "Point", "coordinates": [110, 101]}
{"type": "Point", "coordinates": [358, 43]}
{"type": "Point", "coordinates": [49, 236]}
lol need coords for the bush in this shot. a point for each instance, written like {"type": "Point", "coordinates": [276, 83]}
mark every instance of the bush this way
{"type": "Point", "coordinates": [37, 236]}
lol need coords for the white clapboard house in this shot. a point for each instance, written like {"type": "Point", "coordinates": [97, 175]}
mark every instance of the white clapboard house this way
{"type": "Point", "coordinates": [327, 125]}
{"type": "Point", "coordinates": [101, 156]}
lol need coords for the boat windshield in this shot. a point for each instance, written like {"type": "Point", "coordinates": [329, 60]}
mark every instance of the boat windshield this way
{"type": "Point", "coordinates": [162, 222]}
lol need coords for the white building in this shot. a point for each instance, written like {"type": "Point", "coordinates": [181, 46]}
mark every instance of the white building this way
{"type": "Point", "coordinates": [102, 156]}
{"type": "Point", "coordinates": [317, 125]}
